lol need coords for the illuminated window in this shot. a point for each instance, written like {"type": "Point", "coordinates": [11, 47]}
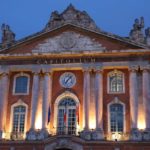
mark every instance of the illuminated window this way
{"type": "Point", "coordinates": [116, 82]}
{"type": "Point", "coordinates": [21, 84]}
{"type": "Point", "coordinates": [116, 118]}
{"type": "Point", "coordinates": [19, 113]}
{"type": "Point", "coordinates": [67, 119]}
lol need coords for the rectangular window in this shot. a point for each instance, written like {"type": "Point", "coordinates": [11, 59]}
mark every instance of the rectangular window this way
{"type": "Point", "coordinates": [21, 84]}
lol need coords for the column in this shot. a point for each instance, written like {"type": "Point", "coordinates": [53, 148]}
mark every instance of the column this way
{"type": "Point", "coordinates": [98, 133]}
{"type": "Point", "coordinates": [133, 98]}
{"type": "Point", "coordinates": [99, 99]}
{"type": "Point", "coordinates": [146, 97]}
{"type": "Point", "coordinates": [35, 96]}
{"type": "Point", "coordinates": [86, 98]}
{"type": "Point", "coordinates": [3, 102]}
{"type": "Point", "coordinates": [46, 98]}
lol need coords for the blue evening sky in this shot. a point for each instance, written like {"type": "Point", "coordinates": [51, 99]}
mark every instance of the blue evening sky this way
{"type": "Point", "coordinates": [26, 17]}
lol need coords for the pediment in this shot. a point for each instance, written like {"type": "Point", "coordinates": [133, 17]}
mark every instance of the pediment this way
{"type": "Point", "coordinates": [68, 41]}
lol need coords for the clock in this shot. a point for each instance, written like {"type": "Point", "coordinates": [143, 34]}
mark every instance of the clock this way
{"type": "Point", "coordinates": [67, 80]}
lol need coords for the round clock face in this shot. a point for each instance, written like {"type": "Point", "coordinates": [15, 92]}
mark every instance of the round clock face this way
{"type": "Point", "coordinates": [67, 80]}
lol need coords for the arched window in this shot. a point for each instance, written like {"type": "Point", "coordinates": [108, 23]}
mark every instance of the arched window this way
{"type": "Point", "coordinates": [21, 84]}
{"type": "Point", "coordinates": [67, 118]}
{"type": "Point", "coordinates": [116, 82]}
{"type": "Point", "coordinates": [19, 113]}
{"type": "Point", "coordinates": [18, 120]}
{"type": "Point", "coordinates": [116, 117]}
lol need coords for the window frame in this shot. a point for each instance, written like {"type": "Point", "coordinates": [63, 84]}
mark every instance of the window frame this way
{"type": "Point", "coordinates": [108, 82]}
{"type": "Point", "coordinates": [18, 103]}
{"type": "Point", "coordinates": [116, 101]}
{"type": "Point", "coordinates": [67, 109]}
{"type": "Point", "coordinates": [14, 83]}
{"type": "Point", "coordinates": [56, 105]}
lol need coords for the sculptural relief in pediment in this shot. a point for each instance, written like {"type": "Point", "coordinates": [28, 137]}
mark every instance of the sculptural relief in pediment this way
{"type": "Point", "coordinates": [69, 42]}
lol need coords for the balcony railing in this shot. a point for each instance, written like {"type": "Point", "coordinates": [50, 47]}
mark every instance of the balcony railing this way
{"type": "Point", "coordinates": [65, 131]}
{"type": "Point", "coordinates": [14, 135]}
{"type": "Point", "coordinates": [17, 136]}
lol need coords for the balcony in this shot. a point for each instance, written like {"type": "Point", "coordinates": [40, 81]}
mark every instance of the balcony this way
{"type": "Point", "coordinates": [65, 131]}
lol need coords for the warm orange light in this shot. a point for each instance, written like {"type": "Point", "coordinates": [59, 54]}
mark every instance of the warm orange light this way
{"type": "Point", "coordinates": [141, 124]}
{"type": "Point", "coordinates": [92, 123]}
{"type": "Point", "coordinates": [141, 119]}
{"type": "Point", "coordinates": [116, 136]}
{"type": "Point", "coordinates": [38, 123]}
{"type": "Point", "coordinates": [38, 120]}
{"type": "Point", "coordinates": [3, 135]}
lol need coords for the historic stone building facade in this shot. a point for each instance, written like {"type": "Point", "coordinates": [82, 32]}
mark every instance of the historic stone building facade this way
{"type": "Point", "coordinates": [73, 86]}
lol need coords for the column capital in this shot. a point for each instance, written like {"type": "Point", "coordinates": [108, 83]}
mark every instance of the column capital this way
{"type": "Point", "coordinates": [133, 68]}
{"type": "Point", "coordinates": [47, 73]}
{"type": "Point", "coordinates": [36, 73]}
{"type": "Point", "coordinates": [98, 69]}
{"type": "Point", "coordinates": [86, 69]}
{"type": "Point", "coordinates": [145, 68]}
{"type": "Point", "coordinates": [5, 74]}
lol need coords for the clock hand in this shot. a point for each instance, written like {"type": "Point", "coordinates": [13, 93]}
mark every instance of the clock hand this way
{"type": "Point", "coordinates": [68, 79]}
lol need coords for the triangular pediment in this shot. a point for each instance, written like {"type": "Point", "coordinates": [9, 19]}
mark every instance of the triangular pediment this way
{"type": "Point", "coordinates": [70, 38]}
{"type": "Point", "coordinates": [68, 41]}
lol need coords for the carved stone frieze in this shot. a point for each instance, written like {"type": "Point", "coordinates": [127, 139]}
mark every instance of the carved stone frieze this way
{"type": "Point", "coordinates": [68, 42]}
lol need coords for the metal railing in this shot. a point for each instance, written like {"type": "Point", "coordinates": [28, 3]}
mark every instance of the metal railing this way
{"type": "Point", "coordinates": [65, 131]}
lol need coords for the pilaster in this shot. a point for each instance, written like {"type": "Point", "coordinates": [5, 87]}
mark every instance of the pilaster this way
{"type": "Point", "coordinates": [146, 100]}
{"type": "Point", "coordinates": [98, 133]}
{"type": "Point", "coordinates": [3, 101]}
{"type": "Point", "coordinates": [31, 134]}
{"type": "Point", "coordinates": [134, 103]}
{"type": "Point", "coordinates": [46, 102]}
{"type": "Point", "coordinates": [86, 133]}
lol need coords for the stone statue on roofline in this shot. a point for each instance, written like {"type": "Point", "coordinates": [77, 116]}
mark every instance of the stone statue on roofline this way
{"type": "Point", "coordinates": [147, 33]}
{"type": "Point", "coordinates": [136, 33]}
{"type": "Point", "coordinates": [55, 20]}
{"type": "Point", "coordinates": [71, 16]}
{"type": "Point", "coordinates": [8, 37]}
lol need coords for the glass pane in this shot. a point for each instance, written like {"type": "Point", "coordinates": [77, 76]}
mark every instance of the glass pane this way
{"type": "Point", "coordinates": [116, 118]}
{"type": "Point", "coordinates": [19, 118]}
{"type": "Point", "coordinates": [67, 116]}
{"type": "Point", "coordinates": [72, 121]}
{"type": "Point", "coordinates": [116, 82]}
{"type": "Point", "coordinates": [61, 123]}
{"type": "Point", "coordinates": [67, 102]}
{"type": "Point", "coordinates": [21, 84]}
